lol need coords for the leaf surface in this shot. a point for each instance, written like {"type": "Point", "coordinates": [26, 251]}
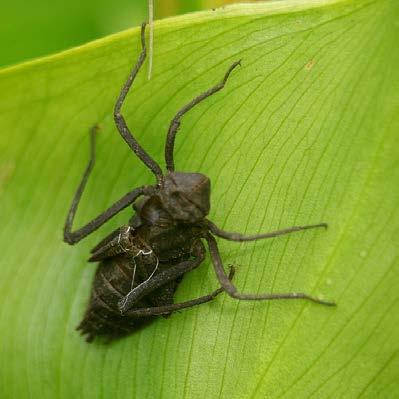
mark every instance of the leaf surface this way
{"type": "Point", "coordinates": [305, 131]}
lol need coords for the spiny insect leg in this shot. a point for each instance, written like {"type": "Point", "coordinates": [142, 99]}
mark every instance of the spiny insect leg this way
{"type": "Point", "coordinates": [175, 124]}
{"type": "Point", "coordinates": [120, 120]}
{"type": "Point", "coordinates": [231, 236]}
{"type": "Point", "coordinates": [167, 309]}
{"type": "Point", "coordinates": [72, 237]}
{"type": "Point", "coordinates": [232, 290]}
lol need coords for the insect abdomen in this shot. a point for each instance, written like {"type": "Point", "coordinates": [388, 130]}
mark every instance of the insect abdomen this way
{"type": "Point", "coordinates": [112, 282]}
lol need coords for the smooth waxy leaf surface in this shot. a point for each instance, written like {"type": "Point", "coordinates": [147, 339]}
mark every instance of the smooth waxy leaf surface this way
{"type": "Point", "coordinates": [305, 131]}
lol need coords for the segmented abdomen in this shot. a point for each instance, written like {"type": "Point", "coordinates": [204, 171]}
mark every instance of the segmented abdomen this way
{"type": "Point", "coordinates": [112, 281]}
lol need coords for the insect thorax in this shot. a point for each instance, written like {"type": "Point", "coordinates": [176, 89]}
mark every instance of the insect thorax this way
{"type": "Point", "coordinates": [182, 198]}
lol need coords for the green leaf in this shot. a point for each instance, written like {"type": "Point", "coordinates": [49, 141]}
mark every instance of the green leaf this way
{"type": "Point", "coordinates": [305, 131]}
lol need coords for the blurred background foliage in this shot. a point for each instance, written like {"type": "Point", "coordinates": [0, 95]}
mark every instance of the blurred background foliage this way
{"type": "Point", "coordinates": [30, 29]}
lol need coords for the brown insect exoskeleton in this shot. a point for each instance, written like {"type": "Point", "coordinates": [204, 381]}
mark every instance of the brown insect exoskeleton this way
{"type": "Point", "coordinates": [143, 262]}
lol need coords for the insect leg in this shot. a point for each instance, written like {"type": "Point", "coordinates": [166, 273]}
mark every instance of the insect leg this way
{"type": "Point", "coordinates": [241, 237]}
{"type": "Point", "coordinates": [175, 124]}
{"type": "Point", "coordinates": [120, 120]}
{"type": "Point", "coordinates": [72, 237]}
{"type": "Point", "coordinates": [167, 309]}
{"type": "Point", "coordinates": [162, 278]}
{"type": "Point", "coordinates": [232, 290]}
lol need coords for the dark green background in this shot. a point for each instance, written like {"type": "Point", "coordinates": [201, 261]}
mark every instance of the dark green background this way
{"type": "Point", "coordinates": [30, 29]}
